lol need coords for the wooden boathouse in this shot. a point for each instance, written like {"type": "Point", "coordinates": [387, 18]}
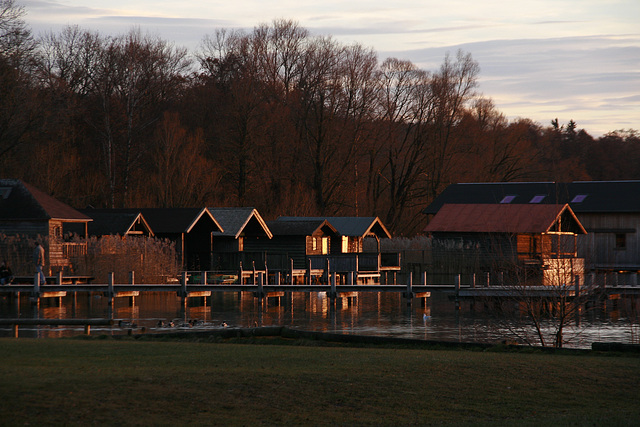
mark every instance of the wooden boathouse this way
{"type": "Point", "coordinates": [608, 210]}
{"type": "Point", "coordinates": [27, 215]}
{"type": "Point", "coordinates": [532, 244]}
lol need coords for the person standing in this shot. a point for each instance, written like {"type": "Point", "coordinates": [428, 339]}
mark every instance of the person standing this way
{"type": "Point", "coordinates": [38, 260]}
{"type": "Point", "coordinates": [6, 276]}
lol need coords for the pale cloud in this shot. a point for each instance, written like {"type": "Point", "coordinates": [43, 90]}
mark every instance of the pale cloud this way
{"type": "Point", "coordinates": [540, 59]}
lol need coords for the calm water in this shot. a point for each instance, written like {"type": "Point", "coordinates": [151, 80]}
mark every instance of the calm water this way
{"type": "Point", "coordinates": [381, 314]}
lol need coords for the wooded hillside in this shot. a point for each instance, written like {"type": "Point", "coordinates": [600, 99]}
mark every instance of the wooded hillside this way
{"type": "Point", "coordinates": [278, 119]}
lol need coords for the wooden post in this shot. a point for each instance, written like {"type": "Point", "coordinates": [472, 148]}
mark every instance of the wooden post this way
{"type": "Point", "coordinates": [424, 278]}
{"type": "Point", "coordinates": [260, 285]}
{"type": "Point", "coordinates": [203, 278]}
{"type": "Point", "coordinates": [409, 293]}
{"type": "Point", "coordinates": [488, 282]}
{"type": "Point", "coordinates": [457, 287]}
{"type": "Point", "coordinates": [59, 278]}
{"type": "Point", "coordinates": [132, 277]}
{"type": "Point", "coordinates": [253, 277]}
{"type": "Point", "coordinates": [333, 293]}
{"type": "Point", "coordinates": [473, 280]}
{"type": "Point", "coordinates": [183, 285]}
{"type": "Point", "coordinates": [241, 276]}
{"type": "Point", "coordinates": [291, 271]}
{"type": "Point", "coordinates": [110, 293]}
{"type": "Point", "coordinates": [87, 329]}
{"type": "Point", "coordinates": [309, 271]}
{"type": "Point", "coordinates": [15, 330]}
{"type": "Point", "coordinates": [36, 286]}
{"type": "Point", "coordinates": [328, 272]}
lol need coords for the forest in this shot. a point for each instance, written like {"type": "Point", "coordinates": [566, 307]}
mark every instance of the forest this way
{"type": "Point", "coordinates": [277, 118]}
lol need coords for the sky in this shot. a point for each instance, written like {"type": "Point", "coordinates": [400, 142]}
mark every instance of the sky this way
{"type": "Point", "coordinates": [540, 59]}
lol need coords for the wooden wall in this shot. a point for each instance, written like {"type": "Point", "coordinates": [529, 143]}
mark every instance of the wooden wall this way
{"type": "Point", "coordinates": [601, 246]}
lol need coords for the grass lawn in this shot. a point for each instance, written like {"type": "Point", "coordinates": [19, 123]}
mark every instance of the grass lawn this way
{"type": "Point", "coordinates": [133, 382]}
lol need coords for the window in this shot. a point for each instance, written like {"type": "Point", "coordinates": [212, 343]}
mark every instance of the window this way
{"type": "Point", "coordinates": [314, 244]}
{"type": "Point", "coordinates": [345, 244]}
{"type": "Point", "coordinates": [579, 198]}
{"type": "Point", "coordinates": [621, 241]}
{"type": "Point", "coordinates": [507, 199]}
{"type": "Point", "coordinates": [537, 199]}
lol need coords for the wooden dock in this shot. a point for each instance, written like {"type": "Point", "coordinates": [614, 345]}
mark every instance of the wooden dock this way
{"type": "Point", "coordinates": [259, 285]}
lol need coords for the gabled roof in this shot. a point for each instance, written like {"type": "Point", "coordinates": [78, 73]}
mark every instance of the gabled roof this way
{"type": "Point", "coordinates": [107, 222]}
{"type": "Point", "coordinates": [504, 218]}
{"type": "Point", "coordinates": [172, 220]}
{"type": "Point", "coordinates": [306, 227]}
{"type": "Point", "coordinates": [176, 220]}
{"type": "Point", "coordinates": [350, 225]}
{"type": "Point", "coordinates": [582, 196]}
{"type": "Point", "coordinates": [19, 200]}
{"type": "Point", "coordinates": [236, 221]}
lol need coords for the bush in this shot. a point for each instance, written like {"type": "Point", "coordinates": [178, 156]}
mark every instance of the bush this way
{"type": "Point", "coordinates": [153, 260]}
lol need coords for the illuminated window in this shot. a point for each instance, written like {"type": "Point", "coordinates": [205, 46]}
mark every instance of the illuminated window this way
{"type": "Point", "coordinates": [579, 198]}
{"type": "Point", "coordinates": [507, 199]}
{"type": "Point", "coordinates": [537, 199]}
{"type": "Point", "coordinates": [345, 244]}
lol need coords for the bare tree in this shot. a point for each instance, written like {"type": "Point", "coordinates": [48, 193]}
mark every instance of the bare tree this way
{"type": "Point", "coordinates": [405, 110]}
{"type": "Point", "coordinates": [451, 87]}
{"type": "Point", "coordinates": [18, 103]}
{"type": "Point", "coordinates": [183, 176]}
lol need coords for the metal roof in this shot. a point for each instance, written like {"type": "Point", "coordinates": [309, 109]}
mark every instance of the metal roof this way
{"type": "Point", "coordinates": [582, 196]}
{"type": "Point", "coordinates": [503, 218]}
{"type": "Point", "coordinates": [107, 221]}
{"type": "Point", "coordinates": [300, 227]}
{"type": "Point", "coordinates": [171, 220]}
{"type": "Point", "coordinates": [235, 221]}
{"type": "Point", "coordinates": [349, 225]}
{"type": "Point", "coordinates": [22, 201]}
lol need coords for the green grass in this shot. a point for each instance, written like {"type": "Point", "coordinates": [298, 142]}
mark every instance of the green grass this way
{"type": "Point", "coordinates": [133, 382]}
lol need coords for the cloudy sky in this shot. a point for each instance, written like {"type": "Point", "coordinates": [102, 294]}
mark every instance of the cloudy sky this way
{"type": "Point", "coordinates": [539, 59]}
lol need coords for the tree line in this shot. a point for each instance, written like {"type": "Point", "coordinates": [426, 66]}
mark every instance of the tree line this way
{"type": "Point", "coordinates": [276, 118]}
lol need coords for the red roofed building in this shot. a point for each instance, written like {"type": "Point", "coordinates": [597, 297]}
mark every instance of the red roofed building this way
{"type": "Point", "coordinates": [28, 212]}
{"type": "Point", "coordinates": [532, 241]}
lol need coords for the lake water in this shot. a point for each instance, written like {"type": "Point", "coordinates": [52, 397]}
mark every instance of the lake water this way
{"type": "Point", "coordinates": [379, 314]}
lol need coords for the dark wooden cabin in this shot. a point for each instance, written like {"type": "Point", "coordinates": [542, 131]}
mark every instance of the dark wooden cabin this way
{"type": "Point", "coordinates": [533, 241]}
{"type": "Point", "coordinates": [190, 229]}
{"type": "Point", "coordinates": [28, 212]}
{"type": "Point", "coordinates": [243, 240]}
{"type": "Point", "coordinates": [352, 232]}
{"type": "Point", "coordinates": [608, 210]}
{"type": "Point", "coordinates": [298, 240]}
{"type": "Point", "coordinates": [356, 247]}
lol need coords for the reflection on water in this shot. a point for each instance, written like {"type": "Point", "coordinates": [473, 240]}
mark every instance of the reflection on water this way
{"type": "Point", "coordinates": [382, 314]}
